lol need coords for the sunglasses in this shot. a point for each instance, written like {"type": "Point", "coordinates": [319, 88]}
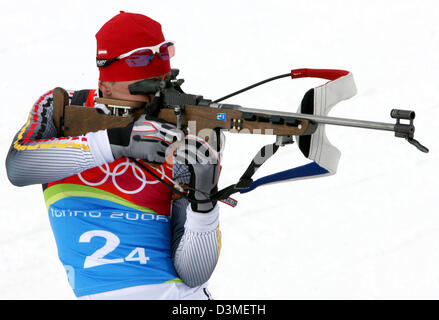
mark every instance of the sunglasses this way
{"type": "Point", "coordinates": [141, 57]}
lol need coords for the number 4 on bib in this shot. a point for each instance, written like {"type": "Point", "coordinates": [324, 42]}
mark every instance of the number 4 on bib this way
{"type": "Point", "coordinates": [138, 254]}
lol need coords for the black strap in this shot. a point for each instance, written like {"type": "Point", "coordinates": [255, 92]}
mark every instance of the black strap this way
{"type": "Point", "coordinates": [246, 179]}
{"type": "Point", "coordinates": [266, 152]}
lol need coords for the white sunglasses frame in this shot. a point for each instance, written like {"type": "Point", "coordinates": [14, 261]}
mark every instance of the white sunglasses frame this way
{"type": "Point", "coordinates": [155, 49]}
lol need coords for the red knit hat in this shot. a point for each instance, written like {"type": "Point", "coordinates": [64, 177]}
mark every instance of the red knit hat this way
{"type": "Point", "coordinates": [123, 33]}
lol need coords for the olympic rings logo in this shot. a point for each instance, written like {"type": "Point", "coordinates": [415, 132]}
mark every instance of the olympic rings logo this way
{"type": "Point", "coordinates": [119, 170]}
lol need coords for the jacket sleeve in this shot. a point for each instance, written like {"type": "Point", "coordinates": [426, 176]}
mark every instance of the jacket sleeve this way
{"type": "Point", "coordinates": [196, 241]}
{"type": "Point", "coordinates": [38, 156]}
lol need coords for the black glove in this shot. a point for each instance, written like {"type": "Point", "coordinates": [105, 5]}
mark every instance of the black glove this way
{"type": "Point", "coordinates": [147, 138]}
{"type": "Point", "coordinates": [203, 160]}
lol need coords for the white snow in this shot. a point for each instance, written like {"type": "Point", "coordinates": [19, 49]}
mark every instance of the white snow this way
{"type": "Point", "coordinates": [369, 232]}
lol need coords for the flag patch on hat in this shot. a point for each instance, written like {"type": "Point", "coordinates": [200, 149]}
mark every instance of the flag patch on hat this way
{"type": "Point", "coordinates": [102, 51]}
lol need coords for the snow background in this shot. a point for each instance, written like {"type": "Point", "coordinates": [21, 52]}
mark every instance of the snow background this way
{"type": "Point", "coordinates": [369, 232]}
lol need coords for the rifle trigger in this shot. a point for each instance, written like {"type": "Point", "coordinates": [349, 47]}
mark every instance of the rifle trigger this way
{"type": "Point", "coordinates": [178, 110]}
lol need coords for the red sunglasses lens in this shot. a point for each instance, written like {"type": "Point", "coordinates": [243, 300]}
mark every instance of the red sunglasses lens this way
{"type": "Point", "coordinates": [140, 58]}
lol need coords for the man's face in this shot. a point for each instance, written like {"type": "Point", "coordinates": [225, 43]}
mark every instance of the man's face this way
{"type": "Point", "coordinates": [119, 90]}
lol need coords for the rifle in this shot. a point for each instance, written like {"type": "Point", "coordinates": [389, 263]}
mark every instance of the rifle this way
{"type": "Point", "coordinates": [193, 112]}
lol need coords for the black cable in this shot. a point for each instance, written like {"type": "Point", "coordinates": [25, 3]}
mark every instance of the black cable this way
{"type": "Point", "coordinates": [253, 86]}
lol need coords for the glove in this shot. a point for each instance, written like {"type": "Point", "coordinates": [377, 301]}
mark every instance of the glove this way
{"type": "Point", "coordinates": [203, 161]}
{"type": "Point", "coordinates": [147, 138]}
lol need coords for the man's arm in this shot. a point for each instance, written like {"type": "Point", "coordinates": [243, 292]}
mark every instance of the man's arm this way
{"type": "Point", "coordinates": [196, 244]}
{"type": "Point", "coordinates": [37, 156]}
{"type": "Point", "coordinates": [196, 237]}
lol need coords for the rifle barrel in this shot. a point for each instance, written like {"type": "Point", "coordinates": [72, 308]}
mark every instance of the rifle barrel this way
{"type": "Point", "coordinates": [318, 119]}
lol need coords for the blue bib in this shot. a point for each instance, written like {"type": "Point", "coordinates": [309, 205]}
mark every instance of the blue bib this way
{"type": "Point", "coordinates": [105, 245]}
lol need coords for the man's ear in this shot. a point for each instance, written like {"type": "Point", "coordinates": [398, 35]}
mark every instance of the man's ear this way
{"type": "Point", "coordinates": [105, 87]}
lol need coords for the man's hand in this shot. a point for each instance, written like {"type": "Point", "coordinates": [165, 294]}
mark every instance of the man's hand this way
{"type": "Point", "coordinates": [147, 138]}
{"type": "Point", "coordinates": [203, 160]}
